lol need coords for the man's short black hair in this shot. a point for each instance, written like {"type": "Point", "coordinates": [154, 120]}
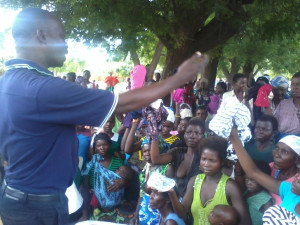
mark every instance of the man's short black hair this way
{"type": "Point", "coordinates": [238, 76]}
{"type": "Point", "coordinates": [87, 72]}
{"type": "Point", "coordinates": [28, 21]}
{"type": "Point", "coordinates": [71, 74]}
{"type": "Point", "coordinates": [222, 85]}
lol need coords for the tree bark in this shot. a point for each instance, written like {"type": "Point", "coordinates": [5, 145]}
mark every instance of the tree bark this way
{"type": "Point", "coordinates": [234, 68]}
{"type": "Point", "coordinates": [152, 66]}
{"type": "Point", "coordinates": [134, 57]}
{"type": "Point", "coordinates": [248, 70]}
{"type": "Point", "coordinates": [174, 58]}
{"type": "Point", "coordinates": [210, 72]}
{"type": "Point", "coordinates": [226, 73]}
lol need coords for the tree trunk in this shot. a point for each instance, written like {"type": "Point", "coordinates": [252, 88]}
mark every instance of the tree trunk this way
{"type": "Point", "coordinates": [134, 57]}
{"type": "Point", "coordinates": [234, 68]}
{"type": "Point", "coordinates": [210, 72]}
{"type": "Point", "coordinates": [248, 69]}
{"type": "Point", "coordinates": [174, 58]}
{"type": "Point", "coordinates": [152, 66]}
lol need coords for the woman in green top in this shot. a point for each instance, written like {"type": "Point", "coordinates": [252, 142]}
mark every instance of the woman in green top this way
{"type": "Point", "coordinates": [205, 191]}
{"type": "Point", "coordinates": [101, 146]}
{"type": "Point", "coordinates": [100, 176]}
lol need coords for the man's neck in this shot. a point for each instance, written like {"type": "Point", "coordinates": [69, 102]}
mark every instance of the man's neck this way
{"type": "Point", "coordinates": [33, 58]}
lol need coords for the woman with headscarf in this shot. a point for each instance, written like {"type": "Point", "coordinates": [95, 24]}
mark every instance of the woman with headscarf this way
{"type": "Point", "coordinates": [280, 86]}
{"type": "Point", "coordinates": [289, 192]}
{"type": "Point", "coordinates": [288, 111]}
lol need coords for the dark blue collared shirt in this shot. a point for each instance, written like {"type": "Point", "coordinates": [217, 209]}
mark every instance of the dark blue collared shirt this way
{"type": "Point", "coordinates": [37, 127]}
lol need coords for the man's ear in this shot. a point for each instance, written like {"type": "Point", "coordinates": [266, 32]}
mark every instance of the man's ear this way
{"type": "Point", "coordinates": [40, 36]}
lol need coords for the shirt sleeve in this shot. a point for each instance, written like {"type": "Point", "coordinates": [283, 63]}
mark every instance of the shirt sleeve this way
{"type": "Point", "coordinates": [284, 188]}
{"type": "Point", "coordinates": [63, 102]}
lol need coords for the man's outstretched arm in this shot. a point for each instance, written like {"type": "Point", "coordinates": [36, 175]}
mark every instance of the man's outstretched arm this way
{"type": "Point", "coordinates": [141, 97]}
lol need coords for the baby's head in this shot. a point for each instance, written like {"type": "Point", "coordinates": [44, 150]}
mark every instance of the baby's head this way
{"type": "Point", "coordinates": [125, 172]}
{"type": "Point", "coordinates": [223, 215]}
{"type": "Point", "coordinates": [251, 185]}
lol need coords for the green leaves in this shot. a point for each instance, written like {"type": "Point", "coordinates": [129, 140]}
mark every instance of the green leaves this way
{"type": "Point", "coordinates": [258, 30]}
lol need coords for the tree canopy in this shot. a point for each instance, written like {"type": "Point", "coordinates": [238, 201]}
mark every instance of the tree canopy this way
{"type": "Point", "coordinates": [183, 27]}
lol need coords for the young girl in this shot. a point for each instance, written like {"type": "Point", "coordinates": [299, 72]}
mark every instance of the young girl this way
{"type": "Point", "coordinates": [211, 188]}
{"type": "Point", "coordinates": [116, 139]}
{"type": "Point", "coordinates": [257, 198]}
{"type": "Point", "coordinates": [262, 145]}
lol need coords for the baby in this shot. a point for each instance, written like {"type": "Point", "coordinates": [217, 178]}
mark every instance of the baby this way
{"type": "Point", "coordinates": [126, 173]}
{"type": "Point", "coordinates": [223, 215]}
{"type": "Point", "coordinates": [131, 187]}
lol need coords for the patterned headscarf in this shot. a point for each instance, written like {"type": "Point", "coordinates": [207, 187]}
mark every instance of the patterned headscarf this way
{"type": "Point", "coordinates": [163, 148]}
{"type": "Point", "coordinates": [280, 81]}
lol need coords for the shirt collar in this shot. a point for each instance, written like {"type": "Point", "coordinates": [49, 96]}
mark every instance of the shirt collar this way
{"type": "Point", "coordinates": [26, 64]}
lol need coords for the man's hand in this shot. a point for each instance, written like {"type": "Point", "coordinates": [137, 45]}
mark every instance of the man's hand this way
{"type": "Point", "coordinates": [117, 184]}
{"type": "Point", "coordinates": [189, 69]}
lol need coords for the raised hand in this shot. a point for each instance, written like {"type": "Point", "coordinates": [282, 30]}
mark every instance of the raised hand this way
{"type": "Point", "coordinates": [191, 67]}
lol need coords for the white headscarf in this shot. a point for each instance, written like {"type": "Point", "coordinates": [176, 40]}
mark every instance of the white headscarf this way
{"type": "Point", "coordinates": [293, 142]}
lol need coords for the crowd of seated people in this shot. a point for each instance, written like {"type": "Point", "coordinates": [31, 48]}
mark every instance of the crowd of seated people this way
{"type": "Point", "coordinates": [223, 174]}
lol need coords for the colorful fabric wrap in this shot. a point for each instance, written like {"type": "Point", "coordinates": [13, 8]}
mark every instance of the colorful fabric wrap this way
{"type": "Point", "coordinates": [156, 116]}
{"type": "Point", "coordinates": [143, 122]}
{"type": "Point", "coordinates": [280, 81]}
{"type": "Point", "coordinates": [163, 146]}
{"type": "Point", "coordinates": [103, 178]}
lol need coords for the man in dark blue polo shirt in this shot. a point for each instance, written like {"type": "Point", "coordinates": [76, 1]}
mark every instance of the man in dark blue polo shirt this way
{"type": "Point", "coordinates": [38, 116]}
